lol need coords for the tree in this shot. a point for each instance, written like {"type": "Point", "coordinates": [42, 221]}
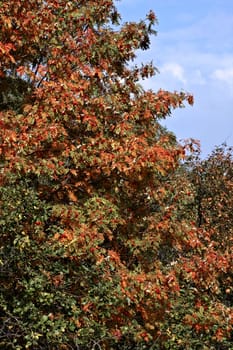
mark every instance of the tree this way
{"type": "Point", "coordinates": [213, 183]}
{"type": "Point", "coordinates": [93, 237]}
{"type": "Point", "coordinates": [200, 316]}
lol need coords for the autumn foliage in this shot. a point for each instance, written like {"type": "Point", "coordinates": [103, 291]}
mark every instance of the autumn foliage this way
{"type": "Point", "coordinates": [111, 237]}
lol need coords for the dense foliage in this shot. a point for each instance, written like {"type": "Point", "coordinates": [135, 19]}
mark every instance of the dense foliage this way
{"type": "Point", "coordinates": [111, 238]}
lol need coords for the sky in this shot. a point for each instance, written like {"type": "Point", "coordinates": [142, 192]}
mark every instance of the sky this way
{"type": "Point", "coordinates": [193, 51]}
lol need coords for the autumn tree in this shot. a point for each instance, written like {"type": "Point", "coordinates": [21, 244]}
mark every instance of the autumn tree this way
{"type": "Point", "coordinates": [200, 316]}
{"type": "Point", "coordinates": [212, 180]}
{"type": "Point", "coordinates": [94, 239]}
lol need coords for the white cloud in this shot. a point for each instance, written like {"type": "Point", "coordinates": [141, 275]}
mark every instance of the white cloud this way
{"type": "Point", "coordinates": [224, 74]}
{"type": "Point", "coordinates": [175, 69]}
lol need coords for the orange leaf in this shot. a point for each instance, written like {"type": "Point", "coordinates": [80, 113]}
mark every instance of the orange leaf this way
{"type": "Point", "coordinates": [72, 196]}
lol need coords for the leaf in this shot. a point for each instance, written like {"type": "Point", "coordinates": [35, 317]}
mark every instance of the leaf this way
{"type": "Point", "coordinates": [72, 196]}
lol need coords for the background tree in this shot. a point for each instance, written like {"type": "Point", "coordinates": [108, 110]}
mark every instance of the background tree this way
{"type": "Point", "coordinates": [96, 240]}
{"type": "Point", "coordinates": [213, 182]}
{"type": "Point", "coordinates": [201, 315]}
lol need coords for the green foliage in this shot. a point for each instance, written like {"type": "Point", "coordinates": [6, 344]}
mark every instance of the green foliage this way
{"type": "Point", "coordinates": [13, 92]}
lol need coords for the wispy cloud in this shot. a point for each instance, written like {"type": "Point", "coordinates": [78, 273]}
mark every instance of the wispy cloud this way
{"type": "Point", "coordinates": [224, 75]}
{"type": "Point", "coordinates": [175, 69]}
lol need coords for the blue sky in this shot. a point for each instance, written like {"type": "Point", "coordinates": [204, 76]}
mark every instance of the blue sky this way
{"type": "Point", "coordinates": [193, 52]}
